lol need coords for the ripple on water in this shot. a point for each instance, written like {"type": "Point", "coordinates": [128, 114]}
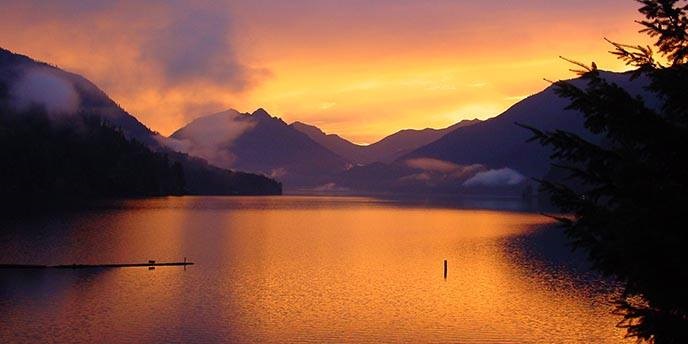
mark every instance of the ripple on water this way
{"type": "Point", "coordinates": [298, 269]}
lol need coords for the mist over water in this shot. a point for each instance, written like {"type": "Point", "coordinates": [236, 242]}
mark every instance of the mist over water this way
{"type": "Point", "coordinates": [298, 269]}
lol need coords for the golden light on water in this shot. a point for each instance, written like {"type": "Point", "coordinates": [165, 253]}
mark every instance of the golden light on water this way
{"type": "Point", "coordinates": [335, 270]}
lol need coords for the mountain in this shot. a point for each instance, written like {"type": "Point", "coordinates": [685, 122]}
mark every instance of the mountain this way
{"type": "Point", "coordinates": [43, 160]}
{"type": "Point", "coordinates": [40, 82]}
{"type": "Point", "coordinates": [498, 142]}
{"type": "Point", "coordinates": [490, 157]}
{"type": "Point", "coordinates": [386, 150]}
{"type": "Point", "coordinates": [405, 141]}
{"type": "Point", "coordinates": [69, 116]}
{"type": "Point", "coordinates": [350, 151]}
{"type": "Point", "coordinates": [261, 143]}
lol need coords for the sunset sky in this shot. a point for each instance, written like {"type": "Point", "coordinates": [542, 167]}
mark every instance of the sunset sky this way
{"type": "Point", "coordinates": [362, 69]}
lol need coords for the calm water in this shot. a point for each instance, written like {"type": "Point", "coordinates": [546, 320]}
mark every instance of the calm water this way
{"type": "Point", "coordinates": [298, 269]}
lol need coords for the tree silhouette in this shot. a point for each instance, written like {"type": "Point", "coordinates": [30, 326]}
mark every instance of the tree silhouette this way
{"type": "Point", "coordinates": [45, 160]}
{"type": "Point", "coordinates": [628, 206]}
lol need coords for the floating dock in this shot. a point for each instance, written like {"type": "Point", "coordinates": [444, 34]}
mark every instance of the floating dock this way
{"type": "Point", "coordinates": [150, 264]}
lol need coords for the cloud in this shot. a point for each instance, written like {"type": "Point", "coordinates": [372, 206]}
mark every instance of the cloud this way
{"type": "Point", "coordinates": [515, 98]}
{"type": "Point", "coordinates": [386, 58]}
{"type": "Point", "coordinates": [42, 87]}
{"type": "Point", "coordinates": [195, 45]}
{"type": "Point", "coordinates": [211, 137]}
{"type": "Point", "coordinates": [327, 105]}
{"type": "Point", "coordinates": [420, 177]}
{"type": "Point", "coordinates": [185, 41]}
{"type": "Point", "coordinates": [432, 165]}
{"type": "Point", "coordinates": [156, 57]}
{"type": "Point", "coordinates": [446, 168]}
{"type": "Point", "coordinates": [330, 188]}
{"type": "Point", "coordinates": [499, 177]}
{"type": "Point", "coordinates": [278, 173]}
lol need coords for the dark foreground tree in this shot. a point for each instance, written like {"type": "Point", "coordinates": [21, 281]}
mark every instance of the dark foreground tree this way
{"type": "Point", "coordinates": [628, 208]}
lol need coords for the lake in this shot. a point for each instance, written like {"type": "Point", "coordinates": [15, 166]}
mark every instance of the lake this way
{"type": "Point", "coordinates": [299, 269]}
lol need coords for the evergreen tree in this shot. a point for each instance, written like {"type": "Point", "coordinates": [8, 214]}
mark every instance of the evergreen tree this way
{"type": "Point", "coordinates": [629, 213]}
{"type": "Point", "coordinates": [84, 157]}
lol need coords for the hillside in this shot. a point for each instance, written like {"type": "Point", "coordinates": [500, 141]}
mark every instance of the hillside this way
{"type": "Point", "coordinates": [62, 107]}
{"type": "Point", "coordinates": [259, 143]}
{"type": "Point", "coordinates": [499, 143]}
{"type": "Point", "coordinates": [490, 157]}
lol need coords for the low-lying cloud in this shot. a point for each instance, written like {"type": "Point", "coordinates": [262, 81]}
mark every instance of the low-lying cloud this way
{"type": "Point", "coordinates": [211, 137]}
{"type": "Point", "coordinates": [446, 168]}
{"type": "Point", "coordinates": [498, 177]}
{"type": "Point", "coordinates": [44, 88]}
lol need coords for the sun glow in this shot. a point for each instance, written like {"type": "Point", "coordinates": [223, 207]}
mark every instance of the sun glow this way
{"type": "Point", "coordinates": [361, 72]}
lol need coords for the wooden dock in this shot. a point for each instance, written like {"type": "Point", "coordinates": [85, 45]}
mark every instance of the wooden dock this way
{"type": "Point", "coordinates": [150, 264]}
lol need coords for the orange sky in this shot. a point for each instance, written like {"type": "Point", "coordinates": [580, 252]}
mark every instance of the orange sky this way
{"type": "Point", "coordinates": [361, 69]}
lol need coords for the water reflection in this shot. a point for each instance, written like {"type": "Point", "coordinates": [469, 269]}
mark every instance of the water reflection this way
{"type": "Point", "coordinates": [296, 269]}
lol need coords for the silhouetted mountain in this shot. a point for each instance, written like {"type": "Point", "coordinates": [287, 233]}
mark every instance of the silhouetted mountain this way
{"type": "Point", "coordinates": [90, 99]}
{"type": "Point", "coordinates": [260, 143]}
{"type": "Point", "coordinates": [67, 115]}
{"type": "Point", "coordinates": [490, 157]}
{"type": "Point", "coordinates": [205, 179]}
{"type": "Point", "coordinates": [498, 142]}
{"type": "Point", "coordinates": [352, 152]}
{"type": "Point", "coordinates": [386, 150]}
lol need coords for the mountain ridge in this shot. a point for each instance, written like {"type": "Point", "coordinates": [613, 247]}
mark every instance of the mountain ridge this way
{"type": "Point", "coordinates": [490, 157]}
{"type": "Point", "coordinates": [260, 143]}
{"type": "Point", "coordinates": [498, 142]}
{"type": "Point", "coordinates": [67, 99]}
{"type": "Point", "coordinates": [386, 149]}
